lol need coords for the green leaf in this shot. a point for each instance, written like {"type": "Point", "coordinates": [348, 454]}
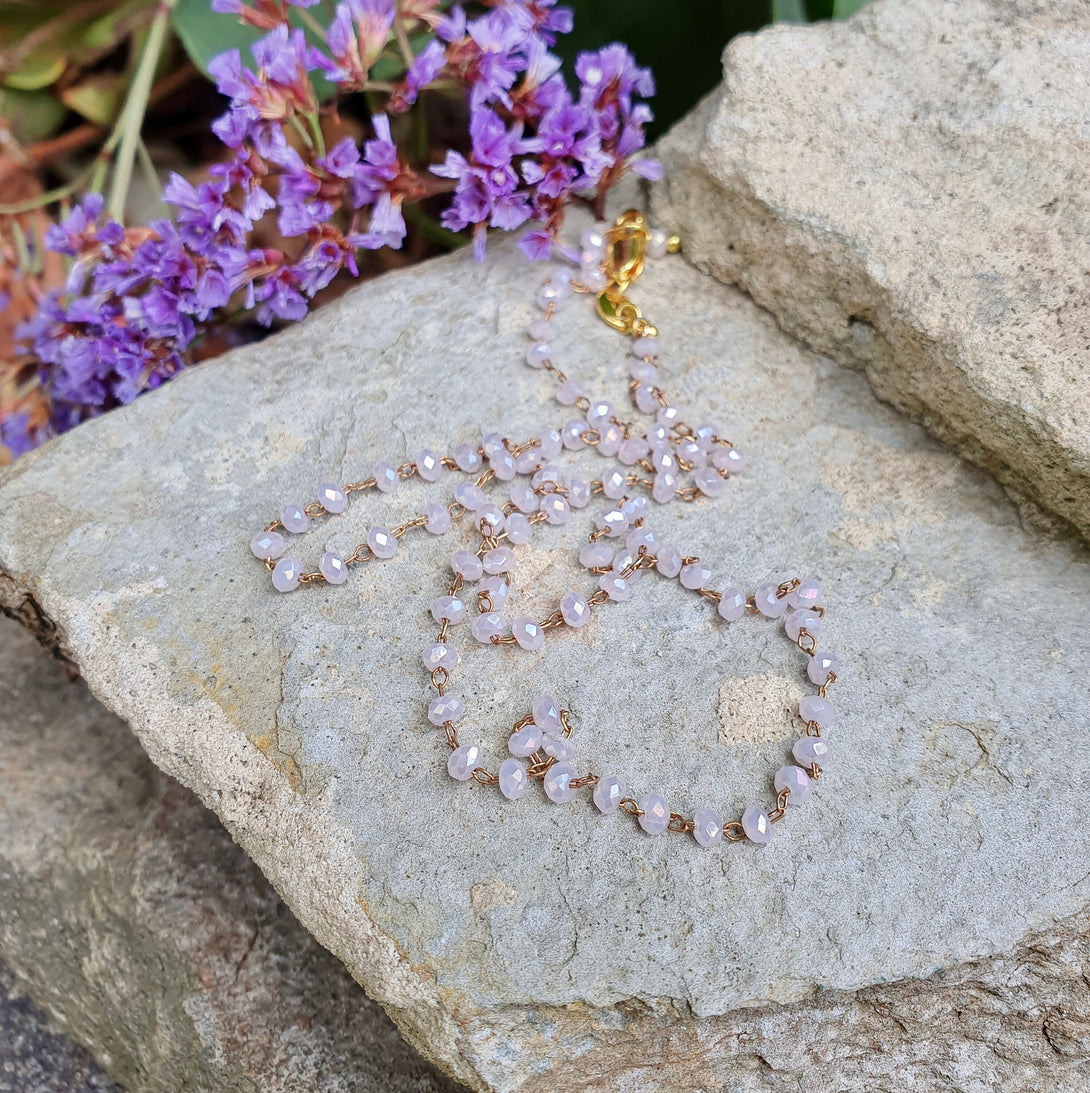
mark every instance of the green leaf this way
{"type": "Point", "coordinates": [38, 69]}
{"type": "Point", "coordinates": [788, 11]}
{"type": "Point", "coordinates": [843, 8]}
{"type": "Point", "coordinates": [97, 98]}
{"type": "Point", "coordinates": [33, 115]}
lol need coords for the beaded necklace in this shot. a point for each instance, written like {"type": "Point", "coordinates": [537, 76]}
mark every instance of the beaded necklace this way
{"type": "Point", "coordinates": [619, 551]}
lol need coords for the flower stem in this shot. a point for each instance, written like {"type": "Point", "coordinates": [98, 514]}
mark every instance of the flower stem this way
{"type": "Point", "coordinates": [132, 116]}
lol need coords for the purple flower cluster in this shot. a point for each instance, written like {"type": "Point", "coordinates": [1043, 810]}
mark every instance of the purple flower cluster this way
{"type": "Point", "coordinates": [136, 299]}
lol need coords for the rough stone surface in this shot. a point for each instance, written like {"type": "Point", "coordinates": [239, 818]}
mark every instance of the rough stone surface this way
{"type": "Point", "coordinates": [128, 913]}
{"type": "Point", "coordinates": [909, 192]}
{"type": "Point", "coordinates": [529, 946]}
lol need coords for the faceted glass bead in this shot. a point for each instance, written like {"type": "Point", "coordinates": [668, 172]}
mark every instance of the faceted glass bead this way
{"type": "Point", "coordinates": [523, 498]}
{"type": "Point", "coordinates": [439, 655]}
{"type": "Point", "coordinates": [548, 473]}
{"type": "Point", "coordinates": [513, 779]}
{"type": "Point", "coordinates": [709, 481]}
{"type": "Point", "coordinates": [499, 559]}
{"type": "Point", "coordinates": [546, 711]}
{"type": "Point", "coordinates": [519, 529]}
{"type": "Point", "coordinates": [612, 521]}
{"type": "Point", "coordinates": [668, 560]}
{"type": "Point", "coordinates": [695, 575]}
{"type": "Point", "coordinates": [693, 452]}
{"type": "Point", "coordinates": [655, 816]}
{"type": "Point", "coordinates": [646, 402]}
{"type": "Point", "coordinates": [646, 346]}
{"type": "Point", "coordinates": [332, 567]}
{"type": "Point", "coordinates": [797, 781]}
{"type": "Point", "coordinates": [810, 621]}
{"type": "Point", "coordinates": [268, 544]}
{"type": "Point", "coordinates": [438, 518]}
{"type": "Point", "coordinates": [821, 666]}
{"type": "Point", "coordinates": [526, 741]}
{"type": "Point", "coordinates": [550, 443]}
{"type": "Point", "coordinates": [644, 371]}
{"type": "Point", "coordinates": [465, 493]}
{"type": "Point", "coordinates": [332, 498]}
{"type": "Point", "coordinates": [614, 484]}
{"type": "Point", "coordinates": [594, 279]}
{"type": "Point", "coordinates": [670, 415]}
{"type": "Point", "coordinates": [285, 574]}
{"type": "Point", "coordinates": [528, 461]}
{"type": "Point", "coordinates": [632, 450]}
{"type": "Point", "coordinates": [817, 709]}
{"type": "Point", "coordinates": [559, 747]}
{"type": "Point", "coordinates": [573, 435]}
{"type": "Point", "coordinates": [462, 761]}
{"type": "Point", "coordinates": [636, 508]}
{"type": "Point", "coordinates": [727, 459]}
{"type": "Point", "coordinates": [294, 519]}
{"type": "Point", "coordinates": [732, 604]}
{"type": "Point", "coordinates": [574, 609]}
{"type": "Point", "coordinates": [617, 588]}
{"type": "Point", "coordinates": [641, 537]}
{"type": "Point", "coordinates": [448, 608]}
{"type": "Point", "coordinates": [489, 519]}
{"type": "Point", "coordinates": [386, 477]}
{"type": "Point", "coordinates": [528, 633]}
{"type": "Point", "coordinates": [468, 458]}
{"type": "Point", "coordinates": [381, 542]}
{"type": "Point", "coordinates": [496, 589]}
{"type": "Point", "coordinates": [538, 354]}
{"type": "Point", "coordinates": [600, 412]}
{"type": "Point", "coordinates": [664, 486]}
{"type": "Point", "coordinates": [596, 555]}
{"type": "Point", "coordinates": [557, 784]}
{"type": "Point", "coordinates": [502, 465]}
{"type": "Point", "coordinates": [485, 627]}
{"type": "Point", "coordinates": [805, 594]}
{"type": "Point", "coordinates": [756, 824]}
{"type": "Point", "coordinates": [707, 826]}
{"type": "Point", "coordinates": [569, 391]}
{"type": "Point", "coordinates": [608, 793]}
{"type": "Point", "coordinates": [428, 465]}
{"type": "Point", "coordinates": [610, 439]}
{"type": "Point", "coordinates": [809, 750]}
{"type": "Point", "coordinates": [622, 560]}
{"type": "Point", "coordinates": [552, 295]}
{"type": "Point", "coordinates": [467, 565]}
{"type": "Point", "coordinates": [578, 493]}
{"type": "Point", "coordinates": [555, 508]}
{"type": "Point", "coordinates": [445, 708]}
{"type": "Point", "coordinates": [769, 603]}
{"type": "Point", "coordinates": [657, 243]}
{"type": "Point", "coordinates": [541, 330]}
{"type": "Point", "coordinates": [491, 443]}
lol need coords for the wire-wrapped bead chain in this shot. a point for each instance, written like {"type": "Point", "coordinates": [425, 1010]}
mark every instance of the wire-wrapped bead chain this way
{"type": "Point", "coordinates": [653, 462]}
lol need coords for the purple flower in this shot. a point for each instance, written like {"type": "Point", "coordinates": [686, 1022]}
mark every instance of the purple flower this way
{"type": "Point", "coordinates": [356, 37]}
{"type": "Point", "coordinates": [426, 66]}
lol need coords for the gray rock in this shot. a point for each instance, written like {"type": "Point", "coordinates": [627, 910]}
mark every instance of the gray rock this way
{"type": "Point", "coordinates": [907, 191]}
{"type": "Point", "coordinates": [528, 946]}
{"type": "Point", "coordinates": [127, 912]}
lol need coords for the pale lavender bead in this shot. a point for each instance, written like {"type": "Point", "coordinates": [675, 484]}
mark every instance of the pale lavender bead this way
{"type": "Point", "coordinates": [502, 465]}
{"type": "Point", "coordinates": [636, 508]}
{"type": "Point", "coordinates": [668, 560]}
{"type": "Point", "coordinates": [285, 574]}
{"type": "Point", "coordinates": [821, 666]}
{"type": "Point", "coordinates": [756, 824]}
{"type": "Point", "coordinates": [693, 452]}
{"type": "Point", "coordinates": [589, 261]}
{"type": "Point", "coordinates": [797, 781]}
{"type": "Point", "coordinates": [591, 239]}
{"type": "Point", "coordinates": [594, 279]}
{"type": "Point", "coordinates": [469, 495]}
{"type": "Point", "coordinates": [332, 498]}
{"type": "Point", "coordinates": [644, 371]}
{"type": "Point", "coordinates": [805, 594]}
{"type": "Point", "coordinates": [438, 518]}
{"type": "Point", "coordinates": [641, 537]}
{"type": "Point", "coordinates": [513, 779]}
{"type": "Point", "coordinates": [664, 486]}
{"type": "Point", "coordinates": [462, 761]}
{"type": "Point", "coordinates": [559, 747]}
{"type": "Point", "coordinates": [552, 295]}
{"type": "Point", "coordinates": [445, 708]}
{"type": "Point", "coordinates": [670, 415]}
{"type": "Point", "coordinates": [491, 443]}
{"type": "Point", "coordinates": [811, 750]}
{"type": "Point", "coordinates": [608, 793]}
{"type": "Point", "coordinates": [489, 519]}
{"type": "Point", "coordinates": [496, 589]}
{"type": "Point", "coordinates": [768, 602]}
{"type": "Point", "coordinates": [732, 604]}
{"type": "Point", "coordinates": [439, 655]}
{"type": "Point", "coordinates": [468, 458]}
{"type": "Point", "coordinates": [555, 508]}
{"type": "Point", "coordinates": [528, 633]}
{"type": "Point", "coordinates": [448, 608]}
{"type": "Point", "coordinates": [633, 450]}
{"type": "Point", "coordinates": [569, 391]}
{"type": "Point", "coordinates": [546, 711]}
{"type": "Point", "coordinates": [706, 435]}
{"type": "Point", "coordinates": [428, 465]}
{"type": "Point", "coordinates": [386, 477]}
{"type": "Point", "coordinates": [574, 609]}
{"type": "Point", "coordinates": [655, 813]}
{"type": "Point", "coordinates": [526, 741]}
{"type": "Point", "coordinates": [573, 435]}
{"type": "Point", "coordinates": [557, 783]}
{"type": "Point", "coordinates": [499, 559]}
{"type": "Point", "coordinates": [707, 826]}
{"type": "Point", "coordinates": [663, 459]}
{"type": "Point", "coordinates": [550, 443]}
{"type": "Point", "coordinates": [646, 346]}
{"type": "Point", "coordinates": [599, 412]}
{"type": "Point", "coordinates": [294, 519]}
{"type": "Point", "coordinates": [817, 709]}
{"type": "Point", "coordinates": [657, 243]}
{"type": "Point", "coordinates": [523, 498]}
{"type": "Point", "coordinates": [617, 588]}
{"type": "Point", "coordinates": [528, 461]}
{"type": "Point", "coordinates": [381, 542]}
{"type": "Point", "coordinates": [646, 402]}
{"type": "Point", "coordinates": [614, 483]}
{"type": "Point", "coordinates": [467, 565]}
{"type": "Point", "coordinates": [658, 435]}
{"type": "Point", "coordinates": [709, 481]}
{"type": "Point", "coordinates": [596, 555]}
{"type": "Point", "coordinates": [267, 544]}
{"type": "Point", "coordinates": [333, 568]}
{"type": "Point", "coordinates": [578, 493]}
{"type": "Point", "coordinates": [610, 439]}
{"type": "Point", "coordinates": [549, 473]}
{"type": "Point", "coordinates": [538, 354]}
{"type": "Point", "coordinates": [541, 330]}
{"type": "Point", "coordinates": [727, 459]}
{"type": "Point", "coordinates": [487, 626]}
{"type": "Point", "coordinates": [622, 560]}
{"type": "Point", "coordinates": [519, 529]}
{"type": "Point", "coordinates": [612, 521]}
{"type": "Point", "coordinates": [696, 575]}
{"type": "Point", "coordinates": [799, 620]}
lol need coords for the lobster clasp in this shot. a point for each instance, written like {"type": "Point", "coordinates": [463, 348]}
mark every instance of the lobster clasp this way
{"type": "Point", "coordinates": [625, 250]}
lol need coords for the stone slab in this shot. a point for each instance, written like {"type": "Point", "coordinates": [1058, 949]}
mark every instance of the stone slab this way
{"type": "Point", "coordinates": [909, 192]}
{"type": "Point", "coordinates": [128, 913]}
{"type": "Point", "coordinates": [525, 946]}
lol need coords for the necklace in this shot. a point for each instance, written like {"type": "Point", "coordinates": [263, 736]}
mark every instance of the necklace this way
{"type": "Point", "coordinates": [620, 549]}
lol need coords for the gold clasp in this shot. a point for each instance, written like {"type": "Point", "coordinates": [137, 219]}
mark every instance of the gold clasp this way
{"type": "Point", "coordinates": [625, 250]}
